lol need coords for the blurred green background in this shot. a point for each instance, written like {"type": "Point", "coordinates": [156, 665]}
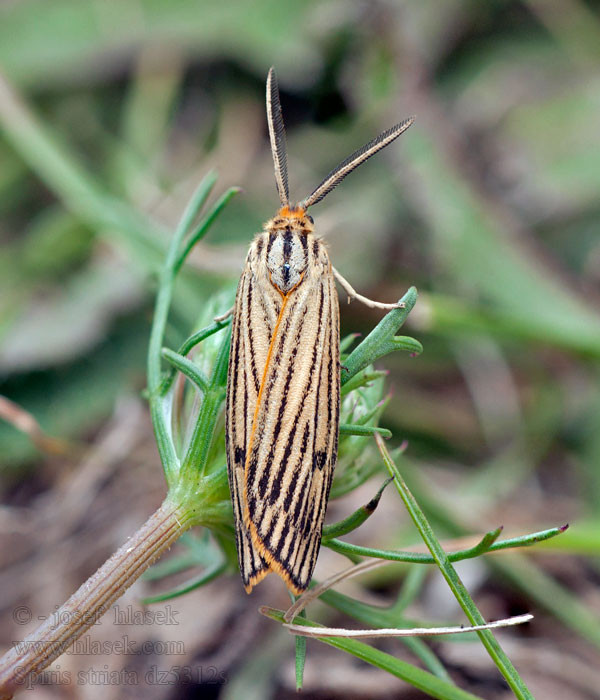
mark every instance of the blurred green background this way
{"type": "Point", "coordinates": [111, 112]}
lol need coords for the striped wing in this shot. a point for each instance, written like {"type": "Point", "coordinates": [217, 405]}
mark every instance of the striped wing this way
{"type": "Point", "coordinates": [283, 416]}
{"type": "Point", "coordinates": [247, 358]}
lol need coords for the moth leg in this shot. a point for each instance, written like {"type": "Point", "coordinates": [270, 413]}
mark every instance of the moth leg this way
{"type": "Point", "coordinates": [225, 316]}
{"type": "Point", "coordinates": [353, 294]}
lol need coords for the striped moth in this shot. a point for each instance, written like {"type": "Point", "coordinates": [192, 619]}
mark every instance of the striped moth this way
{"type": "Point", "coordinates": [283, 387]}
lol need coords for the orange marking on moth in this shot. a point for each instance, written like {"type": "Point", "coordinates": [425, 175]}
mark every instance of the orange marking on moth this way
{"type": "Point", "coordinates": [292, 212]}
{"type": "Point", "coordinates": [257, 578]}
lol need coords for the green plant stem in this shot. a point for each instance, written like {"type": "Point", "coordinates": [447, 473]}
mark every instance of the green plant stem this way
{"type": "Point", "coordinates": [453, 580]}
{"type": "Point", "coordinates": [195, 459]}
{"type": "Point", "coordinates": [187, 368]}
{"type": "Point", "coordinates": [167, 279]}
{"type": "Point", "coordinates": [92, 600]}
{"type": "Point", "coordinates": [483, 547]}
{"type": "Point", "coordinates": [205, 224]}
{"type": "Point", "coordinates": [201, 335]}
{"type": "Point", "coordinates": [163, 302]}
{"type": "Point", "coordinates": [187, 346]}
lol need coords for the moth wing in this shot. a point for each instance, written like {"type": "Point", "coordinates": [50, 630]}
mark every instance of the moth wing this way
{"type": "Point", "coordinates": [293, 447]}
{"type": "Point", "coordinates": [255, 313]}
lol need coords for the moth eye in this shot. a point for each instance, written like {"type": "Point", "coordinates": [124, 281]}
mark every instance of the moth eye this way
{"type": "Point", "coordinates": [309, 217]}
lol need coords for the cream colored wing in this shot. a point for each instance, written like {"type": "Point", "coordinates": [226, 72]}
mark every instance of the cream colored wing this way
{"type": "Point", "coordinates": [292, 446]}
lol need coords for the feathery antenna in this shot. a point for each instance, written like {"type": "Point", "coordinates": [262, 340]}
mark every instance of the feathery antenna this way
{"type": "Point", "coordinates": [353, 161]}
{"type": "Point", "coordinates": [277, 136]}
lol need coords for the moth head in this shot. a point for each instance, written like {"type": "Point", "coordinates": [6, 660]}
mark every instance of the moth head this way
{"type": "Point", "coordinates": [278, 148]}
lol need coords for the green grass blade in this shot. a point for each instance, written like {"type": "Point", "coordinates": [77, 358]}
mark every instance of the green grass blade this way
{"type": "Point", "coordinates": [456, 585]}
{"type": "Point", "coordinates": [418, 678]}
{"type": "Point", "coordinates": [385, 617]}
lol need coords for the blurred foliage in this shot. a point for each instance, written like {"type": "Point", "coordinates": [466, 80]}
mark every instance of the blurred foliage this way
{"type": "Point", "coordinates": [111, 113]}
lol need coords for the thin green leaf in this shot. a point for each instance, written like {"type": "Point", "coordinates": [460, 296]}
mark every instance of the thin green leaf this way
{"type": "Point", "coordinates": [187, 346]}
{"type": "Point", "coordinates": [173, 565]}
{"type": "Point", "coordinates": [205, 224]}
{"type": "Point", "coordinates": [486, 544]}
{"type": "Point", "coordinates": [159, 412]}
{"type": "Point", "coordinates": [356, 519]}
{"type": "Point", "coordinates": [381, 340]}
{"type": "Point", "coordinates": [411, 588]}
{"type": "Point", "coordinates": [187, 368]}
{"type": "Point", "coordinates": [346, 342]}
{"type": "Point", "coordinates": [191, 585]}
{"type": "Point", "coordinates": [363, 430]}
{"type": "Point", "coordinates": [363, 378]}
{"type": "Point", "coordinates": [201, 335]}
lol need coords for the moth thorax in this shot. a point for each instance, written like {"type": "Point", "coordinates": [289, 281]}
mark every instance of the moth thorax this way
{"type": "Point", "coordinates": [287, 258]}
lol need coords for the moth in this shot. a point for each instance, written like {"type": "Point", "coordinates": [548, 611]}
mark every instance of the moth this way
{"type": "Point", "coordinates": [283, 387]}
